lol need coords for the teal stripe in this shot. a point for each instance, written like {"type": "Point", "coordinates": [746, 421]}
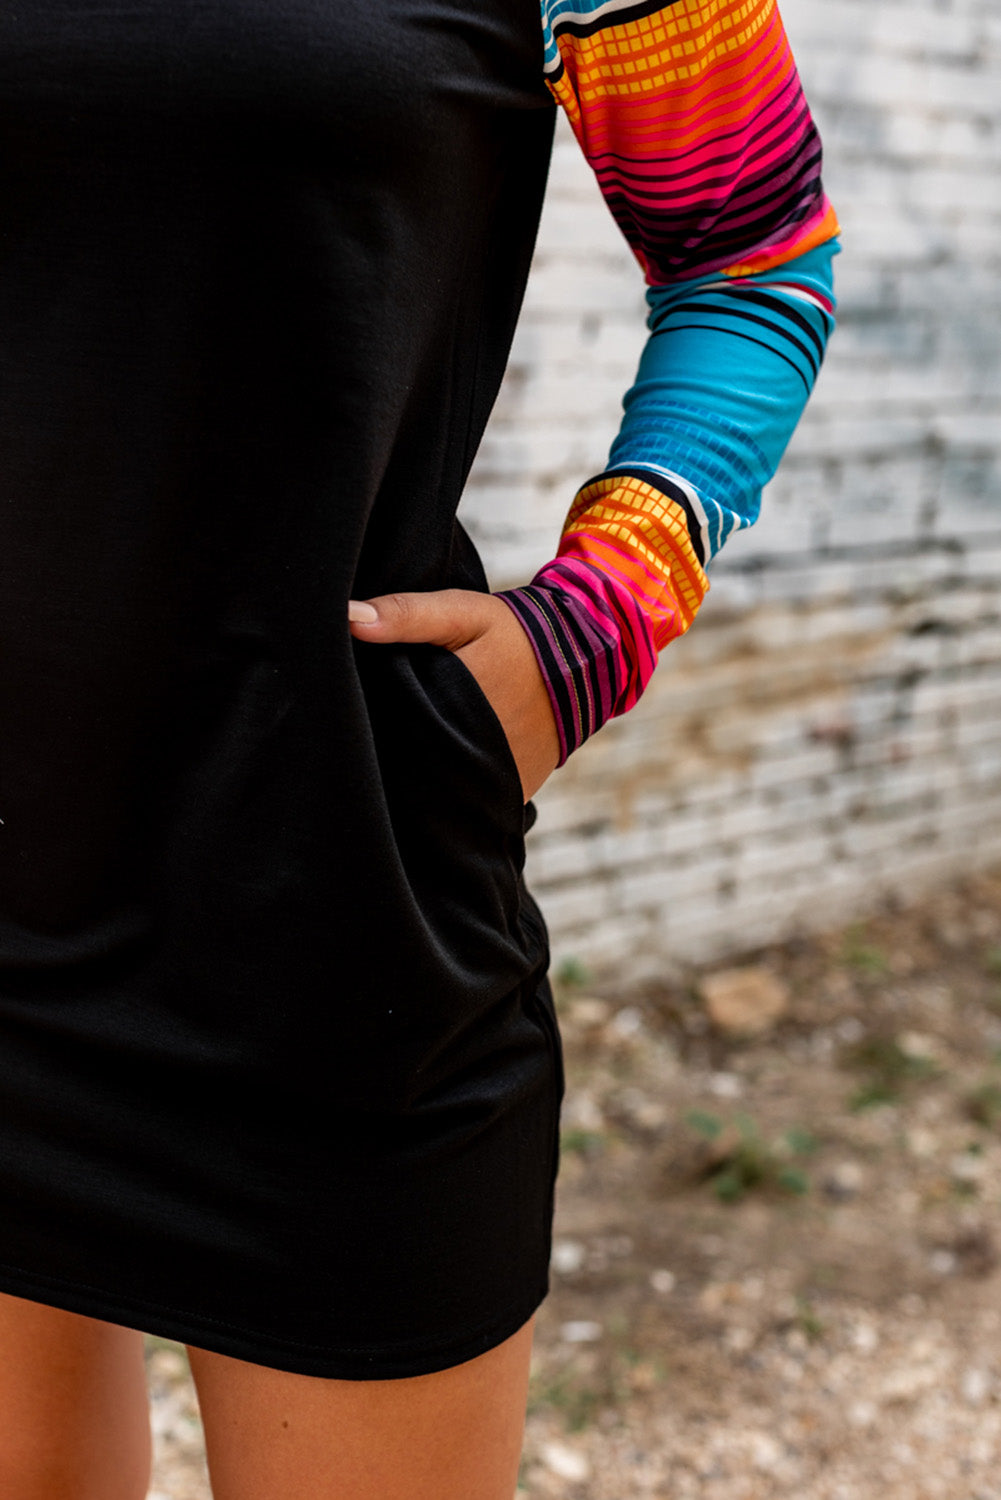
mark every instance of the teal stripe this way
{"type": "Point", "coordinates": [723, 382]}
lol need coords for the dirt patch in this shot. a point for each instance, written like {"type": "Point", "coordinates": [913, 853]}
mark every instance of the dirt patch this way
{"type": "Point", "coordinates": [778, 1260]}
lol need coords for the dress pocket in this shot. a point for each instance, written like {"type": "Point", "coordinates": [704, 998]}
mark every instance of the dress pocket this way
{"type": "Point", "coordinates": [451, 789]}
{"type": "Point", "coordinates": [471, 714]}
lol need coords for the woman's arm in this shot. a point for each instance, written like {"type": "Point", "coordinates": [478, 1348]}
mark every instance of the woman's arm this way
{"type": "Point", "coordinates": [694, 120]}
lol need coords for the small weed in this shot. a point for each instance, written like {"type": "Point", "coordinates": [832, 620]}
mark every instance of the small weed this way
{"type": "Point", "coordinates": [707, 1125]}
{"type": "Point", "coordinates": [808, 1321]}
{"type": "Point", "coordinates": [984, 1104]}
{"type": "Point", "coordinates": [741, 1159]}
{"type": "Point", "coordinates": [578, 1395]}
{"type": "Point", "coordinates": [567, 1394]}
{"type": "Point", "coordinates": [858, 953]}
{"type": "Point", "coordinates": [992, 959]}
{"type": "Point", "coordinates": [572, 974]}
{"type": "Point", "coordinates": [890, 1070]}
{"type": "Point", "coordinates": [801, 1142]}
{"type": "Point", "coordinates": [583, 1142]}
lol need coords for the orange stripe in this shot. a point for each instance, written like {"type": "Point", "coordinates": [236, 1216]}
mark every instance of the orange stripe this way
{"type": "Point", "coordinates": [646, 534]}
{"type": "Point", "coordinates": [622, 56]}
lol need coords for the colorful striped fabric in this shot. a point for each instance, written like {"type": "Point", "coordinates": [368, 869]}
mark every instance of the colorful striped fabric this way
{"type": "Point", "coordinates": [694, 120]}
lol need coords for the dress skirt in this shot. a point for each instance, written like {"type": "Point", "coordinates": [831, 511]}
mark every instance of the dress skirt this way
{"type": "Point", "coordinates": [279, 1068]}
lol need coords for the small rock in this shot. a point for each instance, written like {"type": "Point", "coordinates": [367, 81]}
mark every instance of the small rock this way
{"type": "Point", "coordinates": [726, 1085]}
{"type": "Point", "coordinates": [581, 1331]}
{"type": "Point", "coordinates": [567, 1257]}
{"type": "Point", "coordinates": [968, 1168]}
{"type": "Point", "coordinates": [744, 1002]}
{"type": "Point", "coordinates": [767, 1453]}
{"type": "Point", "coordinates": [649, 1116]}
{"type": "Point", "coordinates": [862, 1414]}
{"type": "Point", "coordinates": [737, 1339]}
{"type": "Point", "coordinates": [865, 1338]}
{"type": "Point", "coordinates": [912, 1305]}
{"type": "Point", "coordinates": [582, 1112]}
{"type": "Point", "coordinates": [942, 1262]}
{"type": "Point", "coordinates": [910, 1380]}
{"type": "Point", "coordinates": [716, 1294]}
{"type": "Point", "coordinates": [663, 1282]}
{"type": "Point", "coordinates": [626, 1024]}
{"type": "Point", "coordinates": [168, 1364]}
{"type": "Point", "coordinates": [567, 1463]}
{"type": "Point", "coordinates": [587, 1013]}
{"type": "Point", "coordinates": [976, 1387]}
{"type": "Point", "coordinates": [844, 1180]}
{"type": "Point", "coordinates": [918, 1044]}
{"type": "Point", "coordinates": [921, 1142]}
{"type": "Point", "coordinates": [643, 1377]}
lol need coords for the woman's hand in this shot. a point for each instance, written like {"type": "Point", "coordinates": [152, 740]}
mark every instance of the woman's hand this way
{"type": "Point", "coordinates": [487, 635]}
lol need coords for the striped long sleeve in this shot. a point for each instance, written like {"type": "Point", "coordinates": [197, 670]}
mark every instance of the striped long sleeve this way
{"type": "Point", "coordinates": [693, 118]}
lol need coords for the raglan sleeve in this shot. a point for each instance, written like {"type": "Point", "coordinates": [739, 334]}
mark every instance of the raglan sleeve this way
{"type": "Point", "coordinates": [694, 121]}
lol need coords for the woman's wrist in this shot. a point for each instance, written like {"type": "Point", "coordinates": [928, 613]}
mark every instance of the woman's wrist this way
{"type": "Point", "coordinates": [593, 643]}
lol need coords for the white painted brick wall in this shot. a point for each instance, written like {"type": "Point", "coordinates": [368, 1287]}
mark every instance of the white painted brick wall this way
{"type": "Point", "coordinates": [829, 733]}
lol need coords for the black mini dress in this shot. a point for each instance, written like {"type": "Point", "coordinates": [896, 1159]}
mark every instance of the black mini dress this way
{"type": "Point", "coordinates": [279, 1070]}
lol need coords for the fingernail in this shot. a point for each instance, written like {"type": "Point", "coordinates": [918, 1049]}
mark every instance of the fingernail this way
{"type": "Point", "coordinates": [362, 614]}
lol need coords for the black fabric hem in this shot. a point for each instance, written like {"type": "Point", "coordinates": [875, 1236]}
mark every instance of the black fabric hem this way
{"type": "Point", "coordinates": [375, 1362]}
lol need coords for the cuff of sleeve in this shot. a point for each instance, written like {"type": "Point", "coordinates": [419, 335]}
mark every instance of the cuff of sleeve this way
{"type": "Point", "coordinates": [626, 581]}
{"type": "Point", "coordinates": [594, 646]}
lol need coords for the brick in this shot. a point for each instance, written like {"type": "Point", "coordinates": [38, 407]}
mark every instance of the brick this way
{"type": "Point", "coordinates": [842, 686]}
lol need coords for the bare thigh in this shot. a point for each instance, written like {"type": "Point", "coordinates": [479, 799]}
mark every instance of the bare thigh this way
{"type": "Point", "coordinates": [455, 1435]}
{"type": "Point", "coordinates": [74, 1415]}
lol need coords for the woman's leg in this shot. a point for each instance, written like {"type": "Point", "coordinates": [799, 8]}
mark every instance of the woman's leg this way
{"type": "Point", "coordinates": [74, 1415]}
{"type": "Point", "coordinates": [452, 1436]}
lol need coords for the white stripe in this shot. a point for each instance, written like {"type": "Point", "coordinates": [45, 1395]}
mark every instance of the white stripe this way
{"type": "Point", "coordinates": [800, 293]}
{"type": "Point", "coordinates": [558, 13]}
{"type": "Point", "coordinates": [693, 497]}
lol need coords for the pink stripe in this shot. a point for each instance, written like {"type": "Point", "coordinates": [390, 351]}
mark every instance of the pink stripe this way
{"type": "Point", "coordinates": [779, 132]}
{"type": "Point", "coordinates": [622, 603]}
{"type": "Point", "coordinates": [614, 559]}
{"type": "Point", "coordinates": [637, 135]}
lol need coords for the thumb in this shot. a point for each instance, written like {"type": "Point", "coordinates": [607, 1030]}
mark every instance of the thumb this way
{"type": "Point", "coordinates": [445, 617]}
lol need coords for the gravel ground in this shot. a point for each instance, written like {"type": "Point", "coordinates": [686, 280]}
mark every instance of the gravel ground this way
{"type": "Point", "coordinates": [777, 1268]}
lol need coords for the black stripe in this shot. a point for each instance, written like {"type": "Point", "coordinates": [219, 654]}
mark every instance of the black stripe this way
{"type": "Point", "coordinates": [577, 717]}
{"type": "Point", "coordinates": [709, 307]}
{"type": "Point", "coordinates": [793, 195]}
{"type": "Point", "coordinates": [584, 636]}
{"type": "Point", "coordinates": [671, 245]}
{"type": "Point", "coordinates": [552, 666]}
{"type": "Point", "coordinates": [623, 629]}
{"type": "Point", "coordinates": [572, 27]}
{"type": "Point", "coordinates": [774, 299]}
{"type": "Point", "coordinates": [767, 127]}
{"type": "Point", "coordinates": [735, 333]}
{"type": "Point", "coordinates": [670, 491]}
{"type": "Point", "coordinates": [651, 188]}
